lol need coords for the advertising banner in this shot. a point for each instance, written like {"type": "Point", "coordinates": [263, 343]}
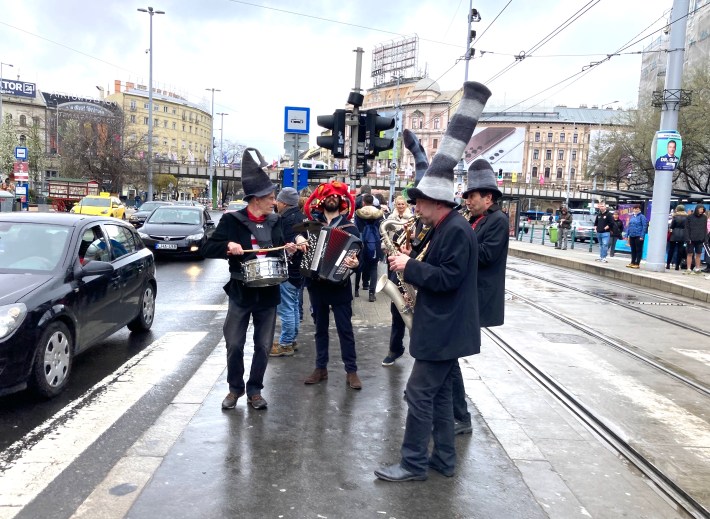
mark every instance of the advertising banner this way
{"type": "Point", "coordinates": [11, 87]}
{"type": "Point", "coordinates": [666, 150]}
{"type": "Point", "coordinates": [501, 146]}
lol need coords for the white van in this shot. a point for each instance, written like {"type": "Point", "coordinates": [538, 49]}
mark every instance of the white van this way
{"type": "Point", "coordinates": [313, 165]}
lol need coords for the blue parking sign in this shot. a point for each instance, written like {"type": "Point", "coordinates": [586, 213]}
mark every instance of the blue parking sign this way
{"type": "Point", "coordinates": [20, 153]}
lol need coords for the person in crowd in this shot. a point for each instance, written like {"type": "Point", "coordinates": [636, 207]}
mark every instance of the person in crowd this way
{"type": "Point", "coordinates": [401, 213]}
{"type": "Point", "coordinates": [381, 203]}
{"type": "Point", "coordinates": [635, 232]}
{"type": "Point", "coordinates": [288, 308]}
{"type": "Point", "coordinates": [603, 224]}
{"type": "Point", "coordinates": [365, 189]}
{"type": "Point", "coordinates": [564, 226]}
{"type": "Point", "coordinates": [491, 227]}
{"type": "Point", "coordinates": [302, 197]}
{"type": "Point", "coordinates": [445, 321]}
{"type": "Point", "coordinates": [335, 208]}
{"type": "Point", "coordinates": [616, 233]}
{"type": "Point", "coordinates": [250, 229]}
{"type": "Point", "coordinates": [696, 225]}
{"type": "Point", "coordinates": [368, 219]}
{"type": "Point", "coordinates": [678, 237]}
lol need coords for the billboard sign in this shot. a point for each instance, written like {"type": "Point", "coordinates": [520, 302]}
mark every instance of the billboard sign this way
{"type": "Point", "coordinates": [11, 87]}
{"type": "Point", "coordinates": [501, 146]}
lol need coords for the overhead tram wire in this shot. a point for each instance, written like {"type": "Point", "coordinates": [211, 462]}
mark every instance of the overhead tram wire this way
{"type": "Point", "coordinates": [478, 39]}
{"type": "Point", "coordinates": [555, 32]}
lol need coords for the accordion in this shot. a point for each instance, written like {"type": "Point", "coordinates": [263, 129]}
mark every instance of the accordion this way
{"type": "Point", "coordinates": [327, 250]}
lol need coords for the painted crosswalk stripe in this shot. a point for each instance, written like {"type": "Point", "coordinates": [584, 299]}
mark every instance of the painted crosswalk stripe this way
{"type": "Point", "coordinates": [30, 464]}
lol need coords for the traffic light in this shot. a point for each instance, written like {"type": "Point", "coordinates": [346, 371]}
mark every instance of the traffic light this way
{"type": "Point", "coordinates": [335, 142]}
{"type": "Point", "coordinates": [362, 167]}
{"type": "Point", "coordinates": [374, 124]}
{"type": "Point", "coordinates": [500, 174]}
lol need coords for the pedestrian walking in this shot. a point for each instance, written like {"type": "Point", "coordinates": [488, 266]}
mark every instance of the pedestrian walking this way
{"type": "Point", "coordinates": [617, 232]}
{"type": "Point", "coordinates": [564, 225]}
{"type": "Point", "coordinates": [603, 224]}
{"type": "Point", "coordinates": [696, 229]}
{"type": "Point", "coordinates": [678, 237]}
{"type": "Point", "coordinates": [635, 234]}
{"type": "Point", "coordinates": [445, 324]}
{"type": "Point", "coordinates": [250, 229]}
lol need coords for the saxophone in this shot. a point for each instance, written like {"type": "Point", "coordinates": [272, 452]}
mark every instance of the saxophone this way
{"type": "Point", "coordinates": [402, 294]}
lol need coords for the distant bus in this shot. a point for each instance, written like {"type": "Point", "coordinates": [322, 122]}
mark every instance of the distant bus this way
{"type": "Point", "coordinates": [313, 165]}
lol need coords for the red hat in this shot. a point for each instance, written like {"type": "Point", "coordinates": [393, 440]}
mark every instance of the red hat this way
{"type": "Point", "coordinates": [323, 191]}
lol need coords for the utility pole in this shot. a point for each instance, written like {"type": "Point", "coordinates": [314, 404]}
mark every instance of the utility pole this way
{"type": "Point", "coordinates": [2, 64]}
{"type": "Point", "coordinates": [473, 16]}
{"type": "Point", "coordinates": [672, 98]}
{"type": "Point", "coordinates": [213, 191]}
{"type": "Point", "coordinates": [221, 141]}
{"type": "Point", "coordinates": [393, 164]}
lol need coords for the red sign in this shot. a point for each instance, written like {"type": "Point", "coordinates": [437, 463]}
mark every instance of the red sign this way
{"type": "Point", "coordinates": [21, 171]}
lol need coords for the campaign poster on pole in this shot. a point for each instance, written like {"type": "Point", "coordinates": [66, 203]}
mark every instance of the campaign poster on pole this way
{"type": "Point", "coordinates": [666, 150]}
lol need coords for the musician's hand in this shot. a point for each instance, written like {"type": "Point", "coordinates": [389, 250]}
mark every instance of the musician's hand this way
{"type": "Point", "coordinates": [234, 249]}
{"type": "Point", "coordinates": [301, 243]}
{"type": "Point", "coordinates": [404, 249]}
{"type": "Point", "coordinates": [291, 248]}
{"type": "Point", "coordinates": [398, 261]}
{"type": "Point", "coordinates": [351, 262]}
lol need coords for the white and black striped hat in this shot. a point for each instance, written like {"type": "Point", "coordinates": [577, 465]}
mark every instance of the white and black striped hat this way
{"type": "Point", "coordinates": [438, 180]}
{"type": "Point", "coordinates": [421, 163]}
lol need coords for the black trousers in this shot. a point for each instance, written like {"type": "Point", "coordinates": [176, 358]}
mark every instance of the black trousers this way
{"type": "Point", "coordinates": [636, 244]}
{"type": "Point", "coordinates": [430, 416]}
{"type": "Point", "coordinates": [343, 313]}
{"type": "Point", "coordinates": [458, 394]}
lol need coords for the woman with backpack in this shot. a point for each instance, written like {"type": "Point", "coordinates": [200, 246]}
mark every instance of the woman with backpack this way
{"type": "Point", "coordinates": [368, 219]}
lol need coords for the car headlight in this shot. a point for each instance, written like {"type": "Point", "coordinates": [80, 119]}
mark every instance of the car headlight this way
{"type": "Point", "coordinates": [11, 317]}
{"type": "Point", "coordinates": [142, 235]}
{"type": "Point", "coordinates": [196, 237]}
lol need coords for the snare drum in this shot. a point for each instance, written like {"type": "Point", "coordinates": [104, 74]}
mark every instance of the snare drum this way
{"type": "Point", "coordinates": [264, 272]}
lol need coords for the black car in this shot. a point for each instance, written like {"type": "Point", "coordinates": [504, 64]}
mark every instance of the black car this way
{"type": "Point", "coordinates": [177, 230]}
{"type": "Point", "coordinates": [67, 281]}
{"type": "Point", "coordinates": [138, 218]}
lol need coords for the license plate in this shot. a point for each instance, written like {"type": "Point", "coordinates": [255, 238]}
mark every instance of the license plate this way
{"type": "Point", "coordinates": [166, 246]}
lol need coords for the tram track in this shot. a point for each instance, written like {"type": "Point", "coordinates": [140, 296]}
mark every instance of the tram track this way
{"type": "Point", "coordinates": [605, 431]}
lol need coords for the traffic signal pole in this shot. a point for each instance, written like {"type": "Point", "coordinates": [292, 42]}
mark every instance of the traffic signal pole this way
{"type": "Point", "coordinates": [355, 99]}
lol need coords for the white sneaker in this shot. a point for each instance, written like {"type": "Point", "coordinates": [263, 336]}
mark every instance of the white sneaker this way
{"type": "Point", "coordinates": [598, 259]}
{"type": "Point", "coordinates": [603, 261]}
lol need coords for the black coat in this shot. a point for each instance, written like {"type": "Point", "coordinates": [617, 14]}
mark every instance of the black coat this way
{"type": "Point", "coordinates": [231, 229]}
{"type": "Point", "coordinates": [677, 227]}
{"type": "Point", "coordinates": [289, 218]}
{"type": "Point", "coordinates": [446, 322]}
{"type": "Point", "coordinates": [604, 220]}
{"type": "Point", "coordinates": [492, 233]}
{"type": "Point", "coordinates": [696, 227]}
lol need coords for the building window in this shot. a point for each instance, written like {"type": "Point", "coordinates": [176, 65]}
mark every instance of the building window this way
{"type": "Point", "coordinates": [571, 172]}
{"type": "Point", "coordinates": [183, 145]}
{"type": "Point", "coordinates": [156, 108]}
{"type": "Point", "coordinates": [23, 120]}
{"type": "Point", "coordinates": [133, 104]}
{"type": "Point", "coordinates": [436, 123]}
{"type": "Point", "coordinates": [133, 119]}
{"type": "Point", "coordinates": [165, 123]}
{"type": "Point", "coordinates": [23, 140]}
{"type": "Point", "coordinates": [547, 172]}
{"type": "Point", "coordinates": [174, 125]}
{"type": "Point", "coordinates": [562, 137]}
{"type": "Point", "coordinates": [156, 122]}
{"type": "Point", "coordinates": [549, 137]}
{"type": "Point", "coordinates": [534, 171]}
{"type": "Point", "coordinates": [35, 121]}
{"type": "Point", "coordinates": [183, 127]}
{"type": "Point", "coordinates": [560, 154]}
{"type": "Point", "coordinates": [174, 111]}
{"type": "Point", "coordinates": [145, 120]}
{"type": "Point", "coordinates": [574, 154]}
{"type": "Point", "coordinates": [435, 143]}
{"type": "Point", "coordinates": [537, 136]}
{"type": "Point", "coordinates": [548, 154]}
{"type": "Point", "coordinates": [146, 105]}
{"type": "Point", "coordinates": [165, 109]}
{"type": "Point", "coordinates": [165, 142]}
{"type": "Point", "coordinates": [559, 172]}
{"type": "Point", "coordinates": [536, 154]}
{"type": "Point", "coordinates": [574, 138]}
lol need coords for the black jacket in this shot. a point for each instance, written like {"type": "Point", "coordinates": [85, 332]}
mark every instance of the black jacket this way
{"type": "Point", "coordinates": [492, 233]}
{"type": "Point", "coordinates": [677, 227]}
{"type": "Point", "coordinates": [231, 229]}
{"type": "Point", "coordinates": [289, 218]}
{"type": "Point", "coordinates": [446, 324]}
{"type": "Point", "coordinates": [327, 292]}
{"type": "Point", "coordinates": [565, 221]}
{"type": "Point", "coordinates": [696, 227]}
{"type": "Point", "coordinates": [617, 230]}
{"type": "Point", "coordinates": [604, 222]}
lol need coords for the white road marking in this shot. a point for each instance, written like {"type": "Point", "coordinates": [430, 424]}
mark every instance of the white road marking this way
{"type": "Point", "coordinates": [45, 452]}
{"type": "Point", "coordinates": [699, 355]}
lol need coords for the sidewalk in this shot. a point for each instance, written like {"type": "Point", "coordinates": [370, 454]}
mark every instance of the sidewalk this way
{"type": "Point", "coordinates": [694, 286]}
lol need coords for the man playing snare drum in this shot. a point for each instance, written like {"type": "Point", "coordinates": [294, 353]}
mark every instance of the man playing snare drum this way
{"type": "Point", "coordinates": [250, 229]}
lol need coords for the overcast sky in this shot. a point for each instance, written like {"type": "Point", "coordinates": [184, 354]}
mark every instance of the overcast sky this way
{"type": "Point", "coordinates": [264, 56]}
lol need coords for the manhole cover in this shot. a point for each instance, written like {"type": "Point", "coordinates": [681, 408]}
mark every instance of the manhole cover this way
{"type": "Point", "coordinates": [566, 338]}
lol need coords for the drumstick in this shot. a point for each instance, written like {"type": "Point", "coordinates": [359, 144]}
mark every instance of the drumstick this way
{"type": "Point", "coordinates": [265, 250]}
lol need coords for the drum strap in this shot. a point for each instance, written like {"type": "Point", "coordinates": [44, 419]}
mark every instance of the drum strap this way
{"type": "Point", "coordinates": [261, 231]}
{"type": "Point", "coordinates": [237, 275]}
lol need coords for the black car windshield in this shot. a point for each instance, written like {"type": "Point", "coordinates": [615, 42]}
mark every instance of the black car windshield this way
{"type": "Point", "coordinates": [31, 246]}
{"type": "Point", "coordinates": [175, 215]}
{"type": "Point", "coordinates": [149, 206]}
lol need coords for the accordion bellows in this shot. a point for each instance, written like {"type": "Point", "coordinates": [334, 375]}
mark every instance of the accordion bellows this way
{"type": "Point", "coordinates": [327, 250]}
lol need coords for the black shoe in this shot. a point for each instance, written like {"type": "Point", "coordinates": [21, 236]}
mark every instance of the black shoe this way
{"type": "Point", "coordinates": [257, 401]}
{"type": "Point", "coordinates": [365, 287]}
{"type": "Point", "coordinates": [397, 473]}
{"type": "Point", "coordinates": [449, 473]}
{"type": "Point", "coordinates": [372, 298]}
{"type": "Point", "coordinates": [390, 358]}
{"type": "Point", "coordinates": [463, 427]}
{"type": "Point", "coordinates": [230, 401]}
{"type": "Point", "coordinates": [357, 294]}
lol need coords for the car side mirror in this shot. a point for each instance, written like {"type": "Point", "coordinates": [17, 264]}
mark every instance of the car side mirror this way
{"type": "Point", "coordinates": [93, 268]}
{"type": "Point", "coordinates": [209, 223]}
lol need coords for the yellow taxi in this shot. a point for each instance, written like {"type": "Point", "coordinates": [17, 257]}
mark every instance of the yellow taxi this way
{"type": "Point", "coordinates": [102, 204]}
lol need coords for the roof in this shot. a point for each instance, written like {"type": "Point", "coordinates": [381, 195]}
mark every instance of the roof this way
{"type": "Point", "coordinates": [560, 114]}
{"type": "Point", "coordinates": [426, 83]}
{"type": "Point", "coordinates": [642, 195]}
{"type": "Point", "coordinates": [67, 219]}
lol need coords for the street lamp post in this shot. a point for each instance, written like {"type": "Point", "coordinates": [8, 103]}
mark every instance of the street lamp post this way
{"type": "Point", "coordinates": [1, 66]}
{"type": "Point", "coordinates": [221, 141]}
{"type": "Point", "coordinates": [150, 12]}
{"type": "Point", "coordinates": [212, 190]}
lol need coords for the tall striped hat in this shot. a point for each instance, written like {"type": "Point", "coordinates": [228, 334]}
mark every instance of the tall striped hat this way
{"type": "Point", "coordinates": [438, 180]}
{"type": "Point", "coordinates": [421, 163]}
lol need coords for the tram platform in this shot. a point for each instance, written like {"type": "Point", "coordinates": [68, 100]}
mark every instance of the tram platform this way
{"type": "Point", "coordinates": [694, 286]}
{"type": "Point", "coordinates": [312, 453]}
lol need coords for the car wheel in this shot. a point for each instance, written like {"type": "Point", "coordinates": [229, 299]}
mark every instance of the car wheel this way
{"type": "Point", "coordinates": [144, 320]}
{"type": "Point", "coordinates": [53, 360]}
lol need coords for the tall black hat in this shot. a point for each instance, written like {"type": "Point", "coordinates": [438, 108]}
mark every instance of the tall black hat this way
{"type": "Point", "coordinates": [255, 181]}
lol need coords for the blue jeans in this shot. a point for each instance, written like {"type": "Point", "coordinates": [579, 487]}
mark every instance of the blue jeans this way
{"type": "Point", "coordinates": [603, 244]}
{"type": "Point", "coordinates": [235, 335]}
{"type": "Point", "coordinates": [288, 313]}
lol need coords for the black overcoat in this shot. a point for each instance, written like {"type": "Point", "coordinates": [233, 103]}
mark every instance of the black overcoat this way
{"type": "Point", "coordinates": [446, 313]}
{"type": "Point", "coordinates": [492, 232]}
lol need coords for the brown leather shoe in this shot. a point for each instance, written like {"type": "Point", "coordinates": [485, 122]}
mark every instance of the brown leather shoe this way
{"type": "Point", "coordinates": [318, 375]}
{"type": "Point", "coordinates": [353, 380]}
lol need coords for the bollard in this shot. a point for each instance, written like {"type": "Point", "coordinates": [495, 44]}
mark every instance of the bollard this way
{"type": "Point", "coordinates": [532, 232]}
{"type": "Point", "coordinates": [591, 240]}
{"type": "Point", "coordinates": [572, 238]}
{"type": "Point", "coordinates": [544, 227]}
